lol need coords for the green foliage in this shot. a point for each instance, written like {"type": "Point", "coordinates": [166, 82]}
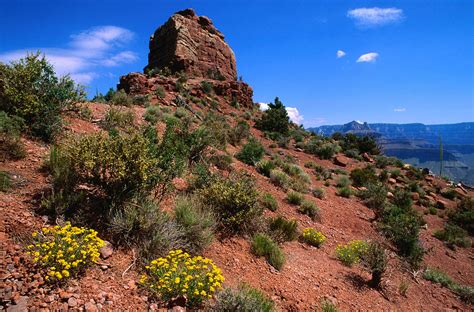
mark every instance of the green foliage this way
{"type": "Point", "coordinates": [153, 114]}
{"type": "Point", "coordinates": [453, 235]}
{"type": "Point", "coordinates": [449, 193]}
{"type": "Point", "coordinates": [345, 191]}
{"type": "Point", "coordinates": [319, 193]}
{"type": "Point", "coordinates": [11, 146]}
{"type": "Point", "coordinates": [160, 92]}
{"type": "Point", "coordinates": [363, 144]}
{"type": "Point", "coordinates": [375, 197]}
{"type": "Point", "coordinates": [275, 119]}
{"type": "Point", "coordinates": [265, 167]}
{"type": "Point", "coordinates": [465, 292]}
{"type": "Point", "coordinates": [322, 149]}
{"type": "Point", "coordinates": [283, 230]}
{"type": "Point", "coordinates": [343, 182]}
{"type": "Point", "coordinates": [263, 245]}
{"type": "Point", "coordinates": [121, 98]}
{"type": "Point", "coordinates": [402, 199]}
{"type": "Point", "coordinates": [117, 118]}
{"type": "Point", "coordinates": [142, 100]}
{"type": "Point", "coordinates": [328, 306]}
{"type": "Point", "coordinates": [5, 181]}
{"type": "Point", "coordinates": [233, 200]}
{"type": "Point", "coordinates": [30, 89]}
{"type": "Point", "coordinates": [363, 176]}
{"type": "Point", "coordinates": [310, 164]}
{"type": "Point", "coordinates": [207, 87]}
{"type": "Point", "coordinates": [351, 253]}
{"type": "Point", "coordinates": [240, 132]}
{"type": "Point", "coordinates": [198, 223]}
{"type": "Point", "coordinates": [219, 128]}
{"type": "Point", "coordinates": [310, 209]}
{"type": "Point", "coordinates": [294, 198]}
{"type": "Point", "coordinates": [374, 259]}
{"type": "Point", "coordinates": [279, 178]}
{"type": "Point", "coordinates": [313, 237]}
{"type": "Point", "coordinates": [181, 112]}
{"type": "Point", "coordinates": [463, 215]}
{"type": "Point", "coordinates": [221, 161]}
{"type": "Point", "coordinates": [242, 299]}
{"type": "Point", "coordinates": [269, 202]}
{"type": "Point", "coordinates": [251, 153]}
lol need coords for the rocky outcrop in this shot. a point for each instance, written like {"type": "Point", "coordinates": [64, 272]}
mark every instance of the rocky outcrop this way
{"type": "Point", "coordinates": [191, 44]}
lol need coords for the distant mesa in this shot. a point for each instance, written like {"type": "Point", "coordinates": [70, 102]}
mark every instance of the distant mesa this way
{"type": "Point", "coordinates": [191, 44]}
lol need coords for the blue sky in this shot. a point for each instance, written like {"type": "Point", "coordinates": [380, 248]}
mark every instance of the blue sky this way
{"type": "Point", "coordinates": [401, 61]}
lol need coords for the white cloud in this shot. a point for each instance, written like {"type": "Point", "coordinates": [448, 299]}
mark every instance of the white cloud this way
{"type": "Point", "coordinates": [368, 57]}
{"type": "Point", "coordinates": [400, 109]}
{"type": "Point", "coordinates": [294, 115]}
{"type": "Point", "coordinates": [371, 17]}
{"type": "Point", "coordinates": [340, 53]}
{"type": "Point", "coordinates": [263, 106]}
{"type": "Point", "coordinates": [89, 51]}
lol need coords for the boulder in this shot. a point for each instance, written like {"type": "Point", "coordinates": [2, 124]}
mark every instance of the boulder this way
{"type": "Point", "coordinates": [107, 250]}
{"type": "Point", "coordinates": [441, 204]}
{"type": "Point", "coordinates": [133, 83]}
{"type": "Point", "coordinates": [340, 160]}
{"type": "Point", "coordinates": [191, 44]}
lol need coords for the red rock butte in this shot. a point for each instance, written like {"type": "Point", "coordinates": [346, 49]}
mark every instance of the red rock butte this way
{"type": "Point", "coordinates": [191, 44]}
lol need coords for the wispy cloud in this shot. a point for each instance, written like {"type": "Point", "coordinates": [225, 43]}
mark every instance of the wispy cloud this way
{"type": "Point", "coordinates": [263, 106]}
{"type": "Point", "coordinates": [372, 17]}
{"type": "Point", "coordinates": [368, 57]}
{"type": "Point", "coordinates": [294, 115]}
{"type": "Point", "coordinates": [400, 110]}
{"type": "Point", "coordinates": [340, 53]}
{"type": "Point", "coordinates": [86, 52]}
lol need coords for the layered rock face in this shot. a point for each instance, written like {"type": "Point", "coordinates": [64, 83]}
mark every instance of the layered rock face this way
{"type": "Point", "coordinates": [191, 44]}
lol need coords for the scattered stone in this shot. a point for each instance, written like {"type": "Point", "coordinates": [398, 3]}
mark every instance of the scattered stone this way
{"type": "Point", "coordinates": [392, 181]}
{"type": "Point", "coordinates": [72, 302]}
{"type": "Point", "coordinates": [107, 250]}
{"type": "Point", "coordinates": [20, 306]}
{"type": "Point", "coordinates": [90, 307]}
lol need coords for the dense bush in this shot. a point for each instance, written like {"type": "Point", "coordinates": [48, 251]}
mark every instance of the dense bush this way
{"type": "Point", "coordinates": [453, 235]}
{"type": "Point", "coordinates": [65, 251]}
{"type": "Point", "coordinates": [11, 146]}
{"type": "Point", "coordinates": [363, 176]}
{"type": "Point", "coordinates": [364, 144]}
{"type": "Point", "coordinates": [179, 274]}
{"type": "Point", "coordinates": [402, 199]}
{"type": "Point", "coordinates": [116, 118]}
{"type": "Point", "coordinates": [5, 181]}
{"type": "Point", "coordinates": [242, 299]}
{"type": "Point", "coordinates": [152, 114]}
{"type": "Point", "coordinates": [30, 89]}
{"type": "Point", "coordinates": [265, 167]}
{"type": "Point", "coordinates": [350, 253]}
{"type": "Point", "coordinates": [233, 200]}
{"type": "Point", "coordinates": [263, 245]}
{"type": "Point", "coordinates": [221, 161]}
{"type": "Point", "coordinates": [218, 126]}
{"type": "Point", "coordinates": [310, 209]}
{"type": "Point", "coordinates": [283, 230]}
{"type": "Point", "coordinates": [374, 259]}
{"type": "Point", "coordinates": [375, 197]}
{"type": "Point", "coordinates": [207, 87]}
{"type": "Point", "coordinates": [279, 178]}
{"type": "Point", "coordinates": [160, 92]}
{"type": "Point", "coordinates": [198, 223]}
{"type": "Point", "coordinates": [343, 182]}
{"type": "Point", "coordinates": [463, 215]}
{"type": "Point", "coordinates": [251, 153]}
{"type": "Point", "coordinates": [313, 237]}
{"type": "Point", "coordinates": [269, 202]}
{"type": "Point", "coordinates": [322, 149]}
{"type": "Point", "coordinates": [238, 133]}
{"type": "Point", "coordinates": [121, 98]}
{"type": "Point", "coordinates": [345, 191]}
{"type": "Point", "coordinates": [319, 192]}
{"type": "Point", "coordinates": [294, 198]}
{"type": "Point", "coordinates": [275, 119]}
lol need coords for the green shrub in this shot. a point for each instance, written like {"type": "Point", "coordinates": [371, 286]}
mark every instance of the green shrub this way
{"type": "Point", "coordinates": [292, 169]}
{"type": "Point", "coordinates": [198, 223]}
{"type": "Point", "coordinates": [465, 292]}
{"type": "Point", "coordinates": [160, 92]}
{"type": "Point", "coordinates": [265, 167]}
{"type": "Point", "coordinates": [351, 253]}
{"type": "Point", "coordinates": [395, 173]}
{"type": "Point", "coordinates": [453, 235]}
{"type": "Point", "coordinates": [283, 230]}
{"type": "Point", "coordinates": [240, 132]}
{"type": "Point", "coordinates": [310, 164]}
{"type": "Point", "coordinates": [344, 192]}
{"type": "Point", "coordinates": [319, 193]}
{"type": "Point", "coordinates": [275, 119]}
{"type": "Point", "coordinates": [449, 193]}
{"type": "Point", "coordinates": [251, 153]}
{"type": "Point", "coordinates": [180, 112]}
{"type": "Point", "coordinates": [263, 245]}
{"type": "Point", "coordinates": [142, 100]}
{"type": "Point", "coordinates": [313, 237]}
{"type": "Point", "coordinates": [218, 126]}
{"type": "Point", "coordinates": [207, 87]}
{"type": "Point", "coordinates": [116, 118]}
{"type": "Point", "coordinates": [11, 146]}
{"type": "Point", "coordinates": [310, 209]}
{"type": "Point", "coordinates": [5, 181]}
{"type": "Point", "coordinates": [30, 89]}
{"type": "Point", "coordinates": [402, 199]}
{"type": "Point", "coordinates": [242, 299]}
{"type": "Point", "coordinates": [294, 198]}
{"type": "Point", "coordinates": [233, 200]}
{"type": "Point", "coordinates": [364, 176]}
{"type": "Point", "coordinates": [269, 202]}
{"type": "Point", "coordinates": [463, 215]}
{"type": "Point", "coordinates": [153, 114]}
{"type": "Point", "coordinates": [374, 259]}
{"type": "Point", "coordinates": [375, 197]}
{"type": "Point", "coordinates": [279, 178]}
{"type": "Point", "coordinates": [121, 98]}
{"type": "Point", "coordinates": [324, 150]}
{"type": "Point", "coordinates": [328, 306]}
{"type": "Point", "coordinates": [221, 161]}
{"type": "Point", "coordinates": [343, 182]}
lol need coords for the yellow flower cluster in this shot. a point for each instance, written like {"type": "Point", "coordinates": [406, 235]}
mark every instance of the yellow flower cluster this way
{"type": "Point", "coordinates": [64, 251]}
{"type": "Point", "coordinates": [178, 273]}
{"type": "Point", "coordinates": [351, 252]}
{"type": "Point", "coordinates": [313, 237]}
